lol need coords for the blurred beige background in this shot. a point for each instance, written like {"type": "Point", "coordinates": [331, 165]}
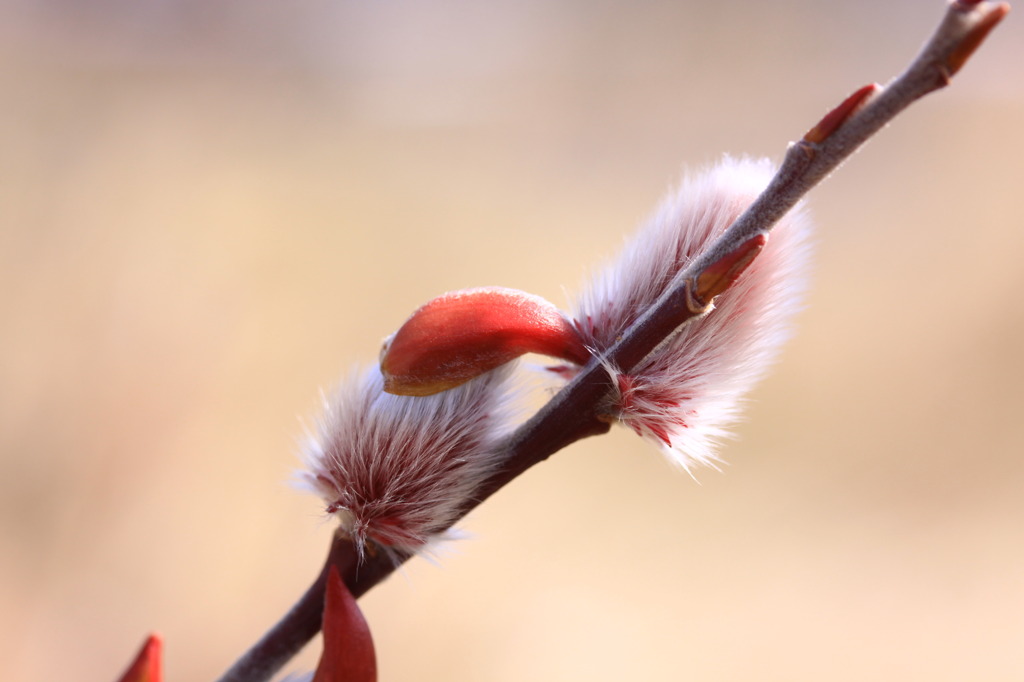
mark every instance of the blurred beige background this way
{"type": "Point", "coordinates": [209, 210]}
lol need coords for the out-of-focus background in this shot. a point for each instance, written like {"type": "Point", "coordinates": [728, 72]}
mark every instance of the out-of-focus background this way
{"type": "Point", "coordinates": [210, 210]}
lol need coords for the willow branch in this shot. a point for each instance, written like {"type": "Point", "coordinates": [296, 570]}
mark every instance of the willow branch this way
{"type": "Point", "coordinates": [572, 414]}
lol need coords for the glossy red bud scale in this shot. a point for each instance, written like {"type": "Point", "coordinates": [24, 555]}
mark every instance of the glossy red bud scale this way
{"type": "Point", "coordinates": [463, 334]}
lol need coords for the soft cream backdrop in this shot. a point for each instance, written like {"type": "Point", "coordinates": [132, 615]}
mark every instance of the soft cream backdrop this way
{"type": "Point", "coordinates": [209, 210]}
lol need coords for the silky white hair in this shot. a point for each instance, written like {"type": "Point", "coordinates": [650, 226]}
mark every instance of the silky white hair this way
{"type": "Point", "coordinates": [398, 470]}
{"type": "Point", "coordinates": [686, 393]}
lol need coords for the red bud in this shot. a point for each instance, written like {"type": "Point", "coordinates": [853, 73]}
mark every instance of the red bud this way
{"type": "Point", "coordinates": [462, 334]}
{"type": "Point", "coordinates": [977, 34]}
{"type": "Point", "coordinates": [834, 119]}
{"type": "Point", "coordinates": [721, 274]}
{"type": "Point", "coordinates": [147, 665]}
{"type": "Point", "coordinates": [348, 654]}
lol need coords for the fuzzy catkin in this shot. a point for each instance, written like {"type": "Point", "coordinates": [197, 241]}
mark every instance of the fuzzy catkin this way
{"type": "Point", "coordinates": [687, 392]}
{"type": "Point", "coordinates": [398, 470]}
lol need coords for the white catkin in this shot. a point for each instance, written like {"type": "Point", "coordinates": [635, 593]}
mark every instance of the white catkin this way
{"type": "Point", "coordinates": [687, 393]}
{"type": "Point", "coordinates": [397, 470]}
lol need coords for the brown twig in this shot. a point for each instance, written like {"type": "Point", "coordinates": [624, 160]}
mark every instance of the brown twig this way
{"type": "Point", "coordinates": [570, 415]}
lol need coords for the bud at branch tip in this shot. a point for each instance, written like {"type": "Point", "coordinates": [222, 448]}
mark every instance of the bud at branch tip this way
{"type": "Point", "coordinates": [977, 34]}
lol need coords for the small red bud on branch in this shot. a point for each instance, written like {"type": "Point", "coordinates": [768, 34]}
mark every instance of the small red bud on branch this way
{"type": "Point", "coordinates": [721, 275]}
{"type": "Point", "coordinates": [148, 664]}
{"type": "Point", "coordinates": [348, 654]}
{"type": "Point", "coordinates": [837, 117]}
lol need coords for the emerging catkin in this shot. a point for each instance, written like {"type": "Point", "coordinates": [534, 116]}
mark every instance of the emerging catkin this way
{"type": "Point", "coordinates": [399, 470]}
{"type": "Point", "coordinates": [686, 393]}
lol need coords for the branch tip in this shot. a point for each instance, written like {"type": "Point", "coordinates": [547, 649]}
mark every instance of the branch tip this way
{"type": "Point", "coordinates": [977, 33]}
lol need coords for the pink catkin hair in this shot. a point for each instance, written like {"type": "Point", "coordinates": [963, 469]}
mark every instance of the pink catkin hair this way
{"type": "Point", "coordinates": [687, 392]}
{"type": "Point", "coordinates": [397, 470]}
